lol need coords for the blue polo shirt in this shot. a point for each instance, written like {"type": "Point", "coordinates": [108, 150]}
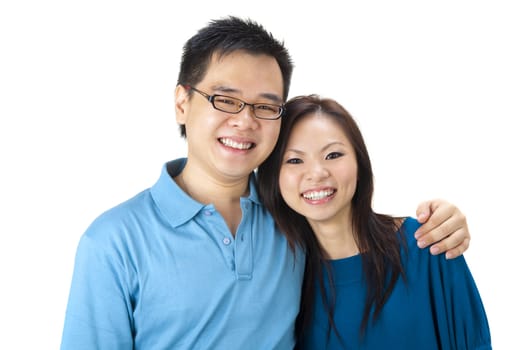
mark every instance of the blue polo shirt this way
{"type": "Point", "coordinates": [162, 271]}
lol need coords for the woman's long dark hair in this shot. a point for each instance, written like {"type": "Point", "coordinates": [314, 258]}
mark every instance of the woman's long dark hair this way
{"type": "Point", "coordinates": [378, 245]}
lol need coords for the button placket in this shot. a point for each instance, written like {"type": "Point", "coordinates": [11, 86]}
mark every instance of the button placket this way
{"type": "Point", "coordinates": [219, 232]}
{"type": "Point", "coordinates": [243, 244]}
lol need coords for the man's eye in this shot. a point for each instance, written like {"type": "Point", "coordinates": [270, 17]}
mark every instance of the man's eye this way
{"type": "Point", "coordinates": [226, 101]}
{"type": "Point", "coordinates": [269, 108]}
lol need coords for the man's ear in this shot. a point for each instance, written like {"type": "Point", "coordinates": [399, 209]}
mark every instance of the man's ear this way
{"type": "Point", "coordinates": [181, 99]}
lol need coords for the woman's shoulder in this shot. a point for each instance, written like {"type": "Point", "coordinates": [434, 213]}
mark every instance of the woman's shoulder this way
{"type": "Point", "coordinates": [409, 224]}
{"type": "Point", "coordinates": [407, 227]}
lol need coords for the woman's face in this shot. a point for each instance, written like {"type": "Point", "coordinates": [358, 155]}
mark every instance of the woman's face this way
{"type": "Point", "coordinates": [318, 174]}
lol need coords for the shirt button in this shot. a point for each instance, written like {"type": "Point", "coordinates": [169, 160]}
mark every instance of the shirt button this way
{"type": "Point", "coordinates": [207, 213]}
{"type": "Point", "coordinates": [226, 241]}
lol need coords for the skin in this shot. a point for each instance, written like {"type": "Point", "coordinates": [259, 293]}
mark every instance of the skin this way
{"type": "Point", "coordinates": [318, 179]}
{"type": "Point", "coordinates": [223, 148]}
{"type": "Point", "coordinates": [218, 172]}
{"type": "Point", "coordinates": [320, 158]}
{"type": "Point", "coordinates": [448, 221]}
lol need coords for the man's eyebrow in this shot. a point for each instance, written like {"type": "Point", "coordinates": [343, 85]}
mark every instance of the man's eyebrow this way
{"type": "Point", "coordinates": [266, 95]}
{"type": "Point", "coordinates": [272, 97]}
{"type": "Point", "coordinates": [225, 89]}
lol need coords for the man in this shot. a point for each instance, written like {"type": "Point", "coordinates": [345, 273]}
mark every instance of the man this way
{"type": "Point", "coordinates": [195, 262]}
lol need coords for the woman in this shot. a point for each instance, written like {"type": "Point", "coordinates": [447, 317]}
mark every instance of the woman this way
{"type": "Point", "coordinates": [367, 284]}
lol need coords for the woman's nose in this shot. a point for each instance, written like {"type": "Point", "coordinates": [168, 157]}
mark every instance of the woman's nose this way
{"type": "Point", "coordinates": [317, 171]}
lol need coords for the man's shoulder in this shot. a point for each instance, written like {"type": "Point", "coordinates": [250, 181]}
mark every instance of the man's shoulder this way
{"type": "Point", "coordinates": [122, 215]}
{"type": "Point", "coordinates": [139, 207]}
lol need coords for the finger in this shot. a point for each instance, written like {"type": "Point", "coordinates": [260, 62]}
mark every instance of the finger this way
{"type": "Point", "coordinates": [423, 211]}
{"type": "Point", "coordinates": [440, 217]}
{"type": "Point", "coordinates": [457, 243]}
{"type": "Point", "coordinates": [449, 232]}
{"type": "Point", "coordinates": [459, 250]}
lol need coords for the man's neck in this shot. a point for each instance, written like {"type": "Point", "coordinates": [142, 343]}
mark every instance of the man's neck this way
{"type": "Point", "coordinates": [224, 195]}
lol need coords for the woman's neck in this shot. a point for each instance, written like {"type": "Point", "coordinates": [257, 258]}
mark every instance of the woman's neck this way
{"type": "Point", "coordinates": [337, 239]}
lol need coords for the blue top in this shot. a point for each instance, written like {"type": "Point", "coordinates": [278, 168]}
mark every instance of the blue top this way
{"type": "Point", "coordinates": [439, 307]}
{"type": "Point", "coordinates": [162, 271]}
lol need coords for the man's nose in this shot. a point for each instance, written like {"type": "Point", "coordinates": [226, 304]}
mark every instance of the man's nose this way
{"type": "Point", "coordinates": [245, 119]}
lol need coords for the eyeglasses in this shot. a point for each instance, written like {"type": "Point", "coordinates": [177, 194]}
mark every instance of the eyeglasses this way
{"type": "Point", "coordinates": [234, 105]}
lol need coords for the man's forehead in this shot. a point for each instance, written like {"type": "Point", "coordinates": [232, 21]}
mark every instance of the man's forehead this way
{"type": "Point", "coordinates": [241, 72]}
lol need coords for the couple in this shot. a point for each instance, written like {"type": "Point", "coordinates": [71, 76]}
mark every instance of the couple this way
{"type": "Point", "coordinates": [197, 261]}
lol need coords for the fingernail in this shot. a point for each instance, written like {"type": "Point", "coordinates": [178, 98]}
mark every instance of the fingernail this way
{"type": "Point", "coordinates": [434, 250]}
{"type": "Point", "coordinates": [421, 244]}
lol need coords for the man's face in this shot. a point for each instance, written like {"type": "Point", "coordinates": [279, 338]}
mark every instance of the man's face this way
{"type": "Point", "coordinates": [228, 146]}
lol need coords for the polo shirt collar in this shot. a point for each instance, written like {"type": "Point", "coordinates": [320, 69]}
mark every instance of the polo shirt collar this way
{"type": "Point", "coordinates": [174, 204]}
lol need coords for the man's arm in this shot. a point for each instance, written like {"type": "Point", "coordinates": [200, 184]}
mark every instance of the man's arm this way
{"type": "Point", "coordinates": [443, 224]}
{"type": "Point", "coordinates": [98, 314]}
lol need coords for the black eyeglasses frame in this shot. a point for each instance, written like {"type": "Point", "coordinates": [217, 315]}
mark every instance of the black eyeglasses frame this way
{"type": "Point", "coordinates": [242, 104]}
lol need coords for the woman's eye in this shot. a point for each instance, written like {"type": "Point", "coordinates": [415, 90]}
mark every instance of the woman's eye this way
{"type": "Point", "coordinates": [334, 155]}
{"type": "Point", "coordinates": [293, 161]}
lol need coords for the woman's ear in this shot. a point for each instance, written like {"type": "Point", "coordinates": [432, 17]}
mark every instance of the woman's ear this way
{"type": "Point", "coordinates": [181, 98]}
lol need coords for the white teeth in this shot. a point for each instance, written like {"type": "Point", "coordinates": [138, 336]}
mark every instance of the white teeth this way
{"type": "Point", "coordinates": [237, 145]}
{"type": "Point", "coordinates": [316, 195]}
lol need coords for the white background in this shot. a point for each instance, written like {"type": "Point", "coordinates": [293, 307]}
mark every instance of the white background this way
{"type": "Point", "coordinates": [86, 121]}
